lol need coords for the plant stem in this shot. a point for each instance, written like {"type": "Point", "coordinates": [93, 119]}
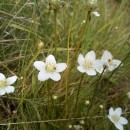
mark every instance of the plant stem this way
{"type": "Point", "coordinates": [55, 30]}
{"type": "Point", "coordinates": [78, 91]}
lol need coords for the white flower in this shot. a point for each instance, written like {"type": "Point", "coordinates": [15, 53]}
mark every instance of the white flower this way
{"type": "Point", "coordinates": [49, 69]}
{"type": "Point", "coordinates": [108, 61]}
{"type": "Point", "coordinates": [78, 127]}
{"type": "Point", "coordinates": [128, 94]}
{"type": "Point", "coordinates": [97, 14]}
{"type": "Point", "coordinates": [89, 64]}
{"type": "Point", "coordinates": [6, 84]}
{"type": "Point", "coordinates": [116, 118]}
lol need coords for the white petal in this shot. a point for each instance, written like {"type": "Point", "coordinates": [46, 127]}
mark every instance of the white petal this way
{"type": "Point", "coordinates": [98, 65]}
{"type": "Point", "coordinates": [55, 76]}
{"type": "Point", "coordinates": [60, 67]}
{"type": "Point", "coordinates": [2, 77]}
{"type": "Point", "coordinates": [111, 67]}
{"type": "Point", "coordinates": [9, 89]}
{"type": "Point", "coordinates": [81, 59]}
{"type": "Point", "coordinates": [78, 127]}
{"type": "Point", "coordinates": [119, 126]}
{"type": "Point", "coordinates": [90, 56]}
{"type": "Point", "coordinates": [91, 72]}
{"type": "Point", "coordinates": [123, 120]}
{"type": "Point", "coordinates": [39, 65]}
{"type": "Point", "coordinates": [111, 119]}
{"type": "Point", "coordinates": [106, 56]}
{"type": "Point", "coordinates": [2, 91]}
{"type": "Point", "coordinates": [118, 111]}
{"type": "Point", "coordinates": [42, 76]}
{"type": "Point", "coordinates": [116, 63]}
{"type": "Point", "coordinates": [96, 14]}
{"type": "Point", "coordinates": [81, 69]}
{"type": "Point", "coordinates": [51, 59]}
{"type": "Point", "coordinates": [111, 111]}
{"type": "Point", "coordinates": [11, 80]}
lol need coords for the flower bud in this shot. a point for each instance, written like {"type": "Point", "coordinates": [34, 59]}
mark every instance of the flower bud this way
{"type": "Point", "coordinates": [54, 97]}
{"type": "Point", "coordinates": [82, 122]}
{"type": "Point", "coordinates": [55, 4]}
{"type": "Point", "coordinates": [87, 102]}
{"type": "Point", "coordinates": [70, 126]}
{"type": "Point", "coordinates": [101, 106]}
{"type": "Point", "coordinates": [91, 5]}
{"type": "Point", "coordinates": [40, 45]}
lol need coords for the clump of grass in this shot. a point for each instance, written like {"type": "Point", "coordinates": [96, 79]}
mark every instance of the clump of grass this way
{"type": "Point", "coordinates": [65, 31]}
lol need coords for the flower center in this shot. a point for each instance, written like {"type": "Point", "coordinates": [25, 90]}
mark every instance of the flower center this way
{"type": "Point", "coordinates": [110, 61]}
{"type": "Point", "coordinates": [88, 64]}
{"type": "Point", "coordinates": [115, 118]}
{"type": "Point", "coordinates": [3, 83]}
{"type": "Point", "coordinates": [50, 67]}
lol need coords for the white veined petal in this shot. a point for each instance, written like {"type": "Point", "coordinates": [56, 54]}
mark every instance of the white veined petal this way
{"type": "Point", "coordinates": [111, 67]}
{"type": "Point", "coordinates": [51, 59]}
{"type": "Point", "coordinates": [42, 76]}
{"type": "Point", "coordinates": [60, 67]}
{"type": "Point", "coordinates": [9, 89]}
{"type": "Point", "coordinates": [2, 77]}
{"type": "Point", "coordinates": [2, 91]}
{"type": "Point", "coordinates": [111, 111]}
{"type": "Point", "coordinates": [55, 76]}
{"type": "Point", "coordinates": [39, 65]}
{"type": "Point", "coordinates": [78, 127]}
{"type": "Point", "coordinates": [106, 56]}
{"type": "Point", "coordinates": [98, 65]}
{"type": "Point", "coordinates": [123, 120]}
{"type": "Point", "coordinates": [118, 111]}
{"type": "Point", "coordinates": [110, 118]}
{"type": "Point", "coordinates": [81, 69]}
{"type": "Point", "coordinates": [90, 56]}
{"type": "Point", "coordinates": [96, 14]}
{"type": "Point", "coordinates": [81, 59]}
{"type": "Point", "coordinates": [116, 63]}
{"type": "Point", "coordinates": [11, 80]}
{"type": "Point", "coordinates": [119, 126]}
{"type": "Point", "coordinates": [91, 72]}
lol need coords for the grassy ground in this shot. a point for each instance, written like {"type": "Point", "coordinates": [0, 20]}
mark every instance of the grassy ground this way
{"type": "Point", "coordinates": [23, 24]}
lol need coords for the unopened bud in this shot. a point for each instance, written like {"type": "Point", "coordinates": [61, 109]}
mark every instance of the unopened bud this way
{"type": "Point", "coordinates": [69, 126]}
{"type": "Point", "coordinates": [82, 122]}
{"type": "Point", "coordinates": [40, 45]}
{"type": "Point", "coordinates": [101, 106]}
{"type": "Point", "coordinates": [87, 102]}
{"type": "Point", "coordinates": [54, 97]}
{"type": "Point", "coordinates": [91, 5]}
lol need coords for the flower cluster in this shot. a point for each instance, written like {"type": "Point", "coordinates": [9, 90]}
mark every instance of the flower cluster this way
{"type": "Point", "coordinates": [90, 65]}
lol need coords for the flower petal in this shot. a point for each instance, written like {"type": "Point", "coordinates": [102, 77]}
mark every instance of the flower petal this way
{"type": "Point", "coordinates": [42, 76]}
{"type": "Point", "coordinates": [111, 67]}
{"type": "Point", "coordinates": [106, 56]}
{"type": "Point", "coordinates": [119, 126]}
{"type": "Point", "coordinates": [9, 89]}
{"type": "Point", "coordinates": [2, 91]}
{"type": "Point", "coordinates": [116, 63]}
{"type": "Point", "coordinates": [60, 67]}
{"type": "Point", "coordinates": [81, 59]}
{"type": "Point", "coordinates": [110, 118]}
{"type": "Point", "coordinates": [91, 72]}
{"type": "Point", "coordinates": [111, 111]}
{"type": "Point", "coordinates": [98, 65]}
{"type": "Point", "coordinates": [90, 56]}
{"type": "Point", "coordinates": [96, 14]}
{"type": "Point", "coordinates": [123, 120]}
{"type": "Point", "coordinates": [51, 59]}
{"type": "Point", "coordinates": [2, 77]}
{"type": "Point", "coordinates": [11, 80]}
{"type": "Point", "coordinates": [81, 69]}
{"type": "Point", "coordinates": [39, 65]}
{"type": "Point", "coordinates": [55, 76]}
{"type": "Point", "coordinates": [118, 111]}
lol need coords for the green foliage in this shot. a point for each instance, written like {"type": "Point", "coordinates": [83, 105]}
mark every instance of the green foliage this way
{"type": "Point", "coordinates": [24, 24]}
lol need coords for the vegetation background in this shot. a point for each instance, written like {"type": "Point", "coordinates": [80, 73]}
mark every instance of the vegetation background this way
{"type": "Point", "coordinates": [24, 24]}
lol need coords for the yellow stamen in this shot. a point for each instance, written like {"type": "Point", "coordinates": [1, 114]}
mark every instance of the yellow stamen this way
{"type": "Point", "coordinates": [3, 83]}
{"type": "Point", "coordinates": [50, 67]}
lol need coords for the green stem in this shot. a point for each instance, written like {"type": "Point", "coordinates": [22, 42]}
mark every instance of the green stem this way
{"type": "Point", "coordinates": [78, 91]}
{"type": "Point", "coordinates": [55, 29]}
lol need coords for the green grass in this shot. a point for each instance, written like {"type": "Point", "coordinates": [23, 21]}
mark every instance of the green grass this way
{"type": "Point", "coordinates": [23, 25]}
